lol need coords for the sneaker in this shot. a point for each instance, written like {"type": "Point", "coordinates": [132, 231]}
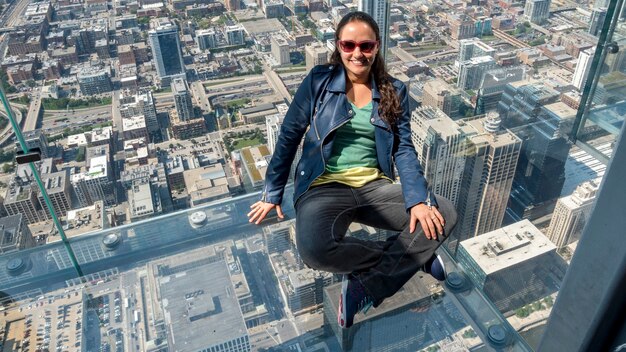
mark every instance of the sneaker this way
{"type": "Point", "coordinates": [353, 299]}
{"type": "Point", "coordinates": [435, 267]}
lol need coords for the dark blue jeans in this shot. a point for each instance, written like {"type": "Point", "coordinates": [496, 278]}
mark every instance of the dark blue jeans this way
{"type": "Point", "coordinates": [324, 213]}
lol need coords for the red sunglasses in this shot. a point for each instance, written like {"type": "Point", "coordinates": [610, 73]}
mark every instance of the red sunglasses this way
{"type": "Point", "coordinates": [366, 46]}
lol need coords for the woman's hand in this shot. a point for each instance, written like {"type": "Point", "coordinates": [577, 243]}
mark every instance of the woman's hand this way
{"type": "Point", "coordinates": [430, 218]}
{"type": "Point", "coordinates": [260, 210]}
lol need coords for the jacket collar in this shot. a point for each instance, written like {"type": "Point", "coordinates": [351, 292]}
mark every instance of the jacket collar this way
{"type": "Point", "coordinates": [338, 81]}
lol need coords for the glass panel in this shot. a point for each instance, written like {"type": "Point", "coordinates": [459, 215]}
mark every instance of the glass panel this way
{"type": "Point", "coordinates": [604, 108]}
{"type": "Point", "coordinates": [206, 277]}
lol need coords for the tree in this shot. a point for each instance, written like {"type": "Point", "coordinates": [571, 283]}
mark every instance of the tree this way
{"type": "Point", "coordinates": [8, 167]}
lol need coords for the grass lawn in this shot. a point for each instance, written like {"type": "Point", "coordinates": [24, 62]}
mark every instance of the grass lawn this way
{"type": "Point", "coordinates": [242, 143]}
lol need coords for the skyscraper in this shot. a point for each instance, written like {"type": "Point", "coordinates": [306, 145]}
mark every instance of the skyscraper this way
{"type": "Point", "coordinates": [272, 126]}
{"type": "Point", "coordinates": [379, 10]}
{"type": "Point", "coordinates": [140, 104]}
{"type": "Point", "coordinates": [533, 112]}
{"type": "Point", "coordinates": [440, 148]}
{"type": "Point", "coordinates": [472, 71]}
{"type": "Point", "coordinates": [582, 68]}
{"type": "Point", "coordinates": [166, 52]}
{"type": "Point", "coordinates": [537, 11]}
{"type": "Point", "coordinates": [315, 54]}
{"type": "Point", "coordinates": [14, 234]}
{"type": "Point", "coordinates": [597, 20]}
{"type": "Point", "coordinates": [474, 47]}
{"type": "Point", "coordinates": [571, 213]}
{"type": "Point", "coordinates": [182, 99]}
{"type": "Point", "coordinates": [493, 84]}
{"type": "Point", "coordinates": [491, 157]}
{"type": "Point", "coordinates": [443, 96]}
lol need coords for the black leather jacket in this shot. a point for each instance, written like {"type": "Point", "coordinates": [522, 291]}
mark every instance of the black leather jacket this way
{"type": "Point", "coordinates": [318, 109]}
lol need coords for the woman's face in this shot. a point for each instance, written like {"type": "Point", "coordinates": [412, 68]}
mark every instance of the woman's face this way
{"type": "Point", "coordinates": [358, 62]}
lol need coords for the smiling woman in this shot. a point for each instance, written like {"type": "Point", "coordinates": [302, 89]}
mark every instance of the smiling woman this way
{"type": "Point", "coordinates": [359, 122]}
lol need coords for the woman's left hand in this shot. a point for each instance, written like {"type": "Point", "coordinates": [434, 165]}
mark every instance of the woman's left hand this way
{"type": "Point", "coordinates": [430, 218]}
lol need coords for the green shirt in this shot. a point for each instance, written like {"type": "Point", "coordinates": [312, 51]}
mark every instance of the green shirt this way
{"type": "Point", "coordinates": [353, 159]}
{"type": "Point", "coordinates": [354, 144]}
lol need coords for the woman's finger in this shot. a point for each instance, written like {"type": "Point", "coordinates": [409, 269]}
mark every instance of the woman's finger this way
{"type": "Point", "coordinates": [429, 228]}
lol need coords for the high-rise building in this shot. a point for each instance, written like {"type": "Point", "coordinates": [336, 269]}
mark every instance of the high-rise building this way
{"type": "Point", "coordinates": [472, 71]}
{"type": "Point", "coordinates": [143, 200]}
{"type": "Point", "coordinates": [280, 49]}
{"type": "Point", "coordinates": [571, 214]}
{"type": "Point", "coordinates": [166, 52]}
{"type": "Point", "coordinates": [57, 186]}
{"type": "Point", "coordinates": [206, 38]}
{"type": "Point", "coordinates": [537, 11]}
{"type": "Point", "coordinates": [23, 195]}
{"type": "Point", "coordinates": [582, 68]}
{"type": "Point", "coordinates": [440, 147]}
{"type": "Point", "coordinates": [272, 126]}
{"type": "Point", "coordinates": [491, 157]}
{"type": "Point", "coordinates": [398, 324]}
{"type": "Point", "coordinates": [94, 81]}
{"type": "Point", "coordinates": [462, 27]}
{"type": "Point", "coordinates": [35, 139]}
{"type": "Point", "coordinates": [514, 266]}
{"type": "Point", "coordinates": [493, 84]}
{"type": "Point", "coordinates": [379, 10]}
{"type": "Point", "coordinates": [483, 26]}
{"type": "Point", "coordinates": [315, 54]}
{"type": "Point", "coordinates": [279, 237]}
{"type": "Point", "coordinates": [94, 184]}
{"type": "Point", "coordinates": [533, 112]}
{"type": "Point", "coordinates": [140, 104]}
{"type": "Point", "coordinates": [443, 96]}
{"type": "Point", "coordinates": [597, 20]}
{"type": "Point", "coordinates": [14, 234]}
{"type": "Point", "coordinates": [182, 99]}
{"type": "Point", "coordinates": [474, 47]}
{"type": "Point", "coordinates": [208, 317]}
{"type": "Point", "coordinates": [235, 35]}
{"type": "Point", "coordinates": [306, 288]}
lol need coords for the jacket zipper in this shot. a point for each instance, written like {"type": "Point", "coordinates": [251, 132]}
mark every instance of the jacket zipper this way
{"type": "Point", "coordinates": [322, 154]}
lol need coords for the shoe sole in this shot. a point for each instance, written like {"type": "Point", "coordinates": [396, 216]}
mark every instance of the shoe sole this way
{"type": "Point", "coordinates": [341, 313]}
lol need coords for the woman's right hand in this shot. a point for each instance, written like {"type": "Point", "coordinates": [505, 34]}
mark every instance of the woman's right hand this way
{"type": "Point", "coordinates": [260, 210]}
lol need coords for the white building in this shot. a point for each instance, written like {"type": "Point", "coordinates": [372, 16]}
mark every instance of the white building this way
{"type": "Point", "coordinates": [280, 49]}
{"type": "Point", "coordinates": [235, 35]}
{"type": "Point", "coordinates": [571, 214]}
{"type": "Point", "coordinates": [582, 68]}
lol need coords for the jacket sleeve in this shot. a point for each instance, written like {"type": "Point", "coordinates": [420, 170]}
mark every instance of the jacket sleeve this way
{"type": "Point", "coordinates": [293, 128]}
{"type": "Point", "coordinates": [414, 184]}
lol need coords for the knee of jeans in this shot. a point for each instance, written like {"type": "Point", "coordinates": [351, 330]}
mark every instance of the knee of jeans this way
{"type": "Point", "coordinates": [317, 256]}
{"type": "Point", "coordinates": [447, 209]}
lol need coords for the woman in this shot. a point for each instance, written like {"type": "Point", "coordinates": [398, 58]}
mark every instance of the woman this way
{"type": "Point", "coordinates": [355, 120]}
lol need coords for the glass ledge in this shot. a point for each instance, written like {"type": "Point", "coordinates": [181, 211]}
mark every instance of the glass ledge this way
{"type": "Point", "coordinates": [149, 263]}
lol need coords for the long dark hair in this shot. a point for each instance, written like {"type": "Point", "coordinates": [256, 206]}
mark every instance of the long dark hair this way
{"type": "Point", "coordinates": [389, 108]}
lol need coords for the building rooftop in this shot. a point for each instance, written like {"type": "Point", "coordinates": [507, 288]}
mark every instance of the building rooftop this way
{"type": "Point", "coordinates": [140, 201]}
{"type": "Point", "coordinates": [263, 26]}
{"type": "Point", "coordinates": [133, 123]}
{"type": "Point", "coordinates": [507, 246]}
{"type": "Point", "coordinates": [206, 183]}
{"type": "Point", "coordinates": [83, 220]}
{"type": "Point", "coordinates": [8, 229]}
{"type": "Point", "coordinates": [200, 307]}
